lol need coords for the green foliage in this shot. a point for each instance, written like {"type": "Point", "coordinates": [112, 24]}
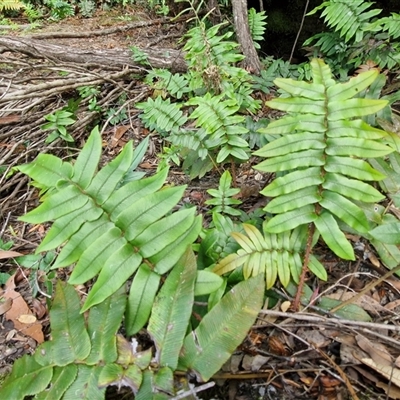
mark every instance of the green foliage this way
{"type": "Point", "coordinates": [60, 9]}
{"type": "Point", "coordinates": [350, 19]}
{"type": "Point", "coordinates": [273, 255]}
{"type": "Point", "coordinates": [213, 93]}
{"type": "Point", "coordinates": [11, 5]}
{"type": "Point", "coordinates": [93, 211]}
{"type": "Point", "coordinates": [257, 25]}
{"type": "Point", "coordinates": [223, 196]}
{"type": "Point", "coordinates": [87, 8]}
{"type": "Point", "coordinates": [85, 356]}
{"type": "Point", "coordinates": [162, 115]}
{"type": "Point", "coordinates": [356, 37]}
{"type": "Point", "coordinates": [58, 121]}
{"type": "Point", "coordinates": [321, 146]}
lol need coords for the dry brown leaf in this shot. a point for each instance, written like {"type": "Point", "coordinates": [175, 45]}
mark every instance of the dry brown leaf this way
{"type": "Point", "coordinates": [328, 381]}
{"type": "Point", "coordinates": [392, 391]}
{"type": "Point", "coordinates": [38, 308]}
{"type": "Point", "coordinates": [392, 305]}
{"type": "Point", "coordinates": [18, 308]}
{"type": "Point", "coordinates": [376, 351]}
{"type": "Point", "coordinates": [4, 254]}
{"type": "Point", "coordinates": [5, 305]}
{"type": "Point", "coordinates": [118, 133]}
{"type": "Point", "coordinates": [389, 372]}
{"type": "Point", "coordinates": [314, 337]}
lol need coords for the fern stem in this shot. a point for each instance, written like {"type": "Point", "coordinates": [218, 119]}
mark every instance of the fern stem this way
{"type": "Point", "coordinates": [233, 169]}
{"type": "Point", "coordinates": [296, 303]}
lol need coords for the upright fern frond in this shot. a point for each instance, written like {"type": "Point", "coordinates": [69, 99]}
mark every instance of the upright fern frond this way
{"type": "Point", "coordinates": [257, 25]}
{"type": "Point", "coordinates": [349, 18]}
{"type": "Point", "coordinates": [322, 145]}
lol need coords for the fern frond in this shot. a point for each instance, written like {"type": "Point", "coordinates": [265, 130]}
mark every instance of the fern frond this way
{"type": "Point", "coordinates": [257, 25]}
{"type": "Point", "coordinates": [92, 211]}
{"type": "Point", "coordinates": [192, 139]}
{"type": "Point", "coordinates": [223, 196]}
{"type": "Point", "coordinates": [161, 115]}
{"type": "Point", "coordinates": [322, 146]}
{"type": "Point", "coordinates": [219, 119]}
{"type": "Point", "coordinates": [388, 24]}
{"type": "Point", "coordinates": [11, 5]}
{"type": "Point", "coordinates": [349, 18]}
{"type": "Point", "coordinates": [275, 255]}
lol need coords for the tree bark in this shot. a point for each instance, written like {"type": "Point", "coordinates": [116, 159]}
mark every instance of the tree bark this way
{"type": "Point", "coordinates": [160, 58]}
{"type": "Point", "coordinates": [251, 62]}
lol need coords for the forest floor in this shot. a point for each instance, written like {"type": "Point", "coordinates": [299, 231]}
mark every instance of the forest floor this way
{"type": "Point", "coordinates": [308, 355]}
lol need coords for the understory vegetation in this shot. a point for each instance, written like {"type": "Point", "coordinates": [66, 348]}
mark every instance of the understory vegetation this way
{"type": "Point", "coordinates": [150, 263]}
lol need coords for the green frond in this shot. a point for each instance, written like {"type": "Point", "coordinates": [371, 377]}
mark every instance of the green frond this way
{"type": "Point", "coordinates": [257, 25]}
{"type": "Point", "coordinates": [219, 119]}
{"type": "Point", "coordinates": [388, 24]}
{"type": "Point", "coordinates": [323, 146]}
{"type": "Point", "coordinates": [161, 115]}
{"type": "Point", "coordinates": [11, 5]}
{"type": "Point", "coordinates": [349, 18]}
{"type": "Point", "coordinates": [274, 255]}
{"type": "Point", "coordinates": [90, 210]}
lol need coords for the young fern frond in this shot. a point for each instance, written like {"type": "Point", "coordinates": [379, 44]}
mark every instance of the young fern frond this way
{"type": "Point", "coordinates": [349, 18]}
{"type": "Point", "coordinates": [107, 229]}
{"type": "Point", "coordinates": [161, 115]}
{"type": "Point", "coordinates": [223, 196]}
{"type": "Point", "coordinates": [257, 25]}
{"type": "Point", "coordinates": [275, 255]}
{"type": "Point", "coordinates": [218, 117]}
{"type": "Point", "coordinates": [322, 145]}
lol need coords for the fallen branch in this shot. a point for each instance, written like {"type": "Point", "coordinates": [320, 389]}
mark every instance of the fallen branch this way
{"type": "Point", "coordinates": [157, 58]}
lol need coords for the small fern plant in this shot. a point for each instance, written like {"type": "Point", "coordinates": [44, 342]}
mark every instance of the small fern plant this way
{"type": "Point", "coordinates": [223, 199]}
{"type": "Point", "coordinates": [214, 93]}
{"type": "Point", "coordinates": [322, 150]}
{"type": "Point", "coordinates": [11, 5]}
{"type": "Point", "coordinates": [357, 36]}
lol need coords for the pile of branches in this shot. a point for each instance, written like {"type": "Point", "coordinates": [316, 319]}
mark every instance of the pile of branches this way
{"type": "Point", "coordinates": [39, 78]}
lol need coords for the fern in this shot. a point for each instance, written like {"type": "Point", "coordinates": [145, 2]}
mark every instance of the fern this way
{"type": "Point", "coordinates": [257, 25]}
{"type": "Point", "coordinates": [223, 196]}
{"type": "Point", "coordinates": [217, 117]}
{"type": "Point", "coordinates": [349, 18]}
{"type": "Point", "coordinates": [85, 355]}
{"type": "Point", "coordinates": [161, 115]}
{"type": "Point", "coordinates": [11, 5]}
{"type": "Point", "coordinates": [322, 150]}
{"type": "Point", "coordinates": [274, 255]}
{"type": "Point", "coordinates": [391, 25]}
{"type": "Point", "coordinates": [92, 211]}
